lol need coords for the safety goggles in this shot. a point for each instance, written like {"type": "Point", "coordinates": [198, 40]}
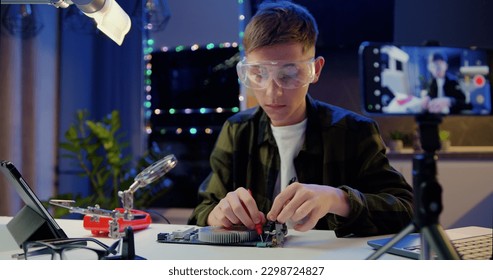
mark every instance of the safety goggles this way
{"type": "Point", "coordinates": [287, 75]}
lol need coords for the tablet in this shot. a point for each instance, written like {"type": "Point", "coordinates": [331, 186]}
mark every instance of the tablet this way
{"type": "Point", "coordinates": [33, 221]}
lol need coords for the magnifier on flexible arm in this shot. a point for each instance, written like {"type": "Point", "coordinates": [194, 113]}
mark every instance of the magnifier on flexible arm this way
{"type": "Point", "coordinates": [113, 222]}
{"type": "Point", "coordinates": [144, 178]}
{"type": "Point", "coordinates": [110, 18]}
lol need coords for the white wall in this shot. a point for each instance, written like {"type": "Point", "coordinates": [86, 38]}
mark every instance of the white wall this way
{"type": "Point", "coordinates": [467, 190]}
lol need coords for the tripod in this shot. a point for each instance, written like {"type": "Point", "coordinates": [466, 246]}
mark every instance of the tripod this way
{"type": "Point", "coordinates": [427, 197]}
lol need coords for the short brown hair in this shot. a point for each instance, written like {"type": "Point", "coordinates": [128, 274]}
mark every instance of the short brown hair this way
{"type": "Point", "coordinates": [280, 22]}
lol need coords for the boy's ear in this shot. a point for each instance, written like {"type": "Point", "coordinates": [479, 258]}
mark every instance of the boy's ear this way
{"type": "Point", "coordinates": [319, 64]}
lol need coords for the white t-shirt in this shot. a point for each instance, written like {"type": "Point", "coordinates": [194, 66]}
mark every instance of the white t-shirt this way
{"type": "Point", "coordinates": [440, 83]}
{"type": "Point", "coordinates": [289, 141]}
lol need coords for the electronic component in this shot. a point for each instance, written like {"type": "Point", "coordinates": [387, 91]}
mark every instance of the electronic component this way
{"type": "Point", "coordinates": [273, 235]}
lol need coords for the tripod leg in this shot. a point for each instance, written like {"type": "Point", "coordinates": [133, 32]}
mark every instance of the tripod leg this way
{"type": "Point", "coordinates": [425, 253]}
{"type": "Point", "coordinates": [410, 228]}
{"type": "Point", "coordinates": [439, 242]}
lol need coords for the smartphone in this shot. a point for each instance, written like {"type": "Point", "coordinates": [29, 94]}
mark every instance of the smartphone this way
{"type": "Point", "coordinates": [410, 80]}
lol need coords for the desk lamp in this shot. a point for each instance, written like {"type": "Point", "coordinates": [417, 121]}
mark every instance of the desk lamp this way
{"type": "Point", "coordinates": [110, 18]}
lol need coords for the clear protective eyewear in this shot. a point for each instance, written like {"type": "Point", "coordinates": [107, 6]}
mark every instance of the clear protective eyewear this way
{"type": "Point", "coordinates": [287, 75]}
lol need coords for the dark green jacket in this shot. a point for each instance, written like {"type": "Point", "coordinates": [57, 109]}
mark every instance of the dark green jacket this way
{"type": "Point", "coordinates": [341, 149]}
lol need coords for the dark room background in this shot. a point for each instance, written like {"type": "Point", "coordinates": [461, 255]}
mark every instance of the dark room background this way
{"type": "Point", "coordinates": [91, 72]}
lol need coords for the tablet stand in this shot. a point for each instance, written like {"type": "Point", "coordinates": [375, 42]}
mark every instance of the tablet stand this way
{"type": "Point", "coordinates": [28, 225]}
{"type": "Point", "coordinates": [427, 197]}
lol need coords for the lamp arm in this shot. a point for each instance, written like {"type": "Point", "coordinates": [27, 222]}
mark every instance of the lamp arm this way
{"type": "Point", "coordinates": [56, 3]}
{"type": "Point", "coordinates": [89, 6]}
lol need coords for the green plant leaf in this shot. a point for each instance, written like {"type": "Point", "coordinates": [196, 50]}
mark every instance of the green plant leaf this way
{"type": "Point", "coordinates": [70, 147]}
{"type": "Point", "coordinates": [92, 148]}
{"type": "Point", "coordinates": [444, 135]}
{"type": "Point", "coordinates": [396, 135]}
{"type": "Point", "coordinates": [71, 134]}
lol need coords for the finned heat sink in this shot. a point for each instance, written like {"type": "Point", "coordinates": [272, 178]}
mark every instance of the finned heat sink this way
{"type": "Point", "coordinates": [220, 235]}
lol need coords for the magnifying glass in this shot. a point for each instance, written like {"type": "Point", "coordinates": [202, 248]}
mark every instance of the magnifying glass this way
{"type": "Point", "coordinates": [156, 170]}
{"type": "Point", "coordinates": [152, 173]}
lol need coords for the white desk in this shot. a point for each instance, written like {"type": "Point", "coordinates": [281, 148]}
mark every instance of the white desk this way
{"type": "Point", "coordinates": [311, 245]}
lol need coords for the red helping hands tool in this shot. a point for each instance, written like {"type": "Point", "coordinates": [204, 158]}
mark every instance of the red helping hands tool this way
{"type": "Point", "coordinates": [113, 222]}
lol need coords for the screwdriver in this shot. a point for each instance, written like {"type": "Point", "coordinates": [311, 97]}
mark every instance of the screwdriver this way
{"type": "Point", "coordinates": [259, 228]}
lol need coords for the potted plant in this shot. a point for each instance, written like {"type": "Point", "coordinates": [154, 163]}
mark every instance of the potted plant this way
{"type": "Point", "coordinates": [445, 142]}
{"type": "Point", "coordinates": [97, 150]}
{"type": "Point", "coordinates": [396, 141]}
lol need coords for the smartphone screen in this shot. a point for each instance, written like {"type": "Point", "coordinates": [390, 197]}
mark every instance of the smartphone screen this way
{"type": "Point", "coordinates": [410, 80]}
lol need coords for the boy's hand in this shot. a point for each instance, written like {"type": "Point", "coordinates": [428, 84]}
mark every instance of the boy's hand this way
{"type": "Point", "coordinates": [305, 204]}
{"type": "Point", "coordinates": [238, 207]}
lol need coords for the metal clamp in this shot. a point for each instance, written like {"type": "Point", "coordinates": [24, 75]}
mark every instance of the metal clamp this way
{"type": "Point", "coordinates": [144, 178]}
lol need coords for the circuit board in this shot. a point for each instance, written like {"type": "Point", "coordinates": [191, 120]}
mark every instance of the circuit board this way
{"type": "Point", "coordinates": [273, 235]}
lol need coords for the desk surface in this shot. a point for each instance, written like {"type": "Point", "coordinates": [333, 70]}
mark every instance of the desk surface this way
{"type": "Point", "coordinates": [314, 244]}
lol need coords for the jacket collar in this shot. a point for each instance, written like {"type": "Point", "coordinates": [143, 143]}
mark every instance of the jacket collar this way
{"type": "Point", "coordinates": [312, 141]}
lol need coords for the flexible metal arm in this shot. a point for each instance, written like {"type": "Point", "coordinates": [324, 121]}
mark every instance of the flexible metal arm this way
{"type": "Point", "coordinates": [56, 3]}
{"type": "Point", "coordinates": [93, 211]}
{"type": "Point", "coordinates": [144, 178]}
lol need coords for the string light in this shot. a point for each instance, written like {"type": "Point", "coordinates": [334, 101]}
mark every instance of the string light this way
{"type": "Point", "coordinates": [149, 49]}
{"type": "Point", "coordinates": [148, 84]}
{"type": "Point", "coordinates": [241, 26]}
{"type": "Point", "coordinates": [191, 130]}
{"type": "Point", "coordinates": [188, 111]}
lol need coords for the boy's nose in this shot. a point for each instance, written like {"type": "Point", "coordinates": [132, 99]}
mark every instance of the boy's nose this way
{"type": "Point", "coordinates": [273, 89]}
